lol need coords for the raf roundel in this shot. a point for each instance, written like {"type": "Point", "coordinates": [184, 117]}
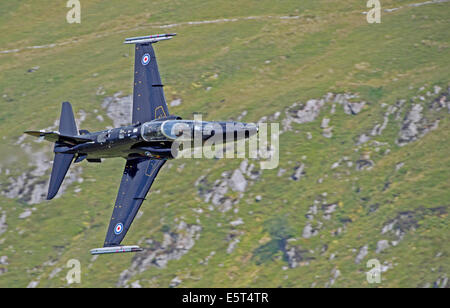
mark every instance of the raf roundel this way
{"type": "Point", "coordinates": [145, 59]}
{"type": "Point", "coordinates": [118, 229]}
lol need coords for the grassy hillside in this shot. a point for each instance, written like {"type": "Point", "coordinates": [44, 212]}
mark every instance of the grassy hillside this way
{"type": "Point", "coordinates": [254, 59]}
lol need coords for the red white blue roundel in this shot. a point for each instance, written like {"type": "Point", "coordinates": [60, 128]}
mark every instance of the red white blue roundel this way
{"type": "Point", "coordinates": [145, 59]}
{"type": "Point", "coordinates": [118, 229]}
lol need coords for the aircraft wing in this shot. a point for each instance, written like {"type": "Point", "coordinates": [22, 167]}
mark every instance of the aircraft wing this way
{"type": "Point", "coordinates": [137, 179]}
{"type": "Point", "coordinates": [149, 102]}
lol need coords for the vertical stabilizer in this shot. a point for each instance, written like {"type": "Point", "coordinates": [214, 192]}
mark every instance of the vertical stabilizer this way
{"type": "Point", "coordinates": [62, 161]}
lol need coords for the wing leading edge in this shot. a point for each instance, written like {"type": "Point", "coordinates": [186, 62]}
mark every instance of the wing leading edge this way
{"type": "Point", "coordinates": [137, 179]}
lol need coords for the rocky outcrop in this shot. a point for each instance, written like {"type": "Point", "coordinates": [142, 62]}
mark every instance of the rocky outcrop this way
{"type": "Point", "coordinates": [335, 274]}
{"type": "Point", "coordinates": [415, 126]}
{"type": "Point", "coordinates": [296, 255]}
{"type": "Point", "coordinates": [326, 129]}
{"type": "Point", "coordinates": [31, 185]}
{"type": "Point", "coordinates": [353, 108]}
{"type": "Point", "coordinates": [299, 172]}
{"type": "Point", "coordinates": [421, 118]}
{"type": "Point", "coordinates": [175, 282]}
{"type": "Point", "coordinates": [381, 246]}
{"type": "Point", "coordinates": [175, 102]}
{"type": "Point", "coordinates": [362, 254]}
{"type": "Point", "coordinates": [303, 113]}
{"type": "Point", "coordinates": [119, 108]}
{"type": "Point", "coordinates": [175, 244]}
{"type": "Point", "coordinates": [396, 229]}
{"type": "Point", "coordinates": [3, 225]}
{"type": "Point", "coordinates": [317, 214]}
{"type": "Point", "coordinates": [236, 181]}
{"type": "Point", "coordinates": [309, 231]}
{"type": "Point", "coordinates": [233, 239]}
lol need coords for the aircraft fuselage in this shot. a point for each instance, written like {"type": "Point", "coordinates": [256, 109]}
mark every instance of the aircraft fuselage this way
{"type": "Point", "coordinates": [154, 139]}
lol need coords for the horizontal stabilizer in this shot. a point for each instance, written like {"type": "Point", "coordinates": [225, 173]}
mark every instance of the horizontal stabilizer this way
{"type": "Point", "coordinates": [57, 136]}
{"type": "Point", "coordinates": [149, 38]}
{"type": "Point", "coordinates": [115, 249]}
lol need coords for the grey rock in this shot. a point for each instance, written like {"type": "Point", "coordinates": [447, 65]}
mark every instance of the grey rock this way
{"type": "Point", "coordinates": [309, 231]}
{"type": "Point", "coordinates": [33, 284]}
{"type": "Point", "coordinates": [298, 172]}
{"type": "Point", "coordinates": [175, 282]}
{"type": "Point", "coordinates": [33, 69]}
{"type": "Point", "coordinates": [237, 222]}
{"type": "Point", "coordinates": [381, 246]}
{"type": "Point", "coordinates": [362, 254]}
{"type": "Point", "coordinates": [364, 164]}
{"type": "Point", "coordinates": [329, 208]}
{"type": "Point", "coordinates": [327, 132]}
{"type": "Point", "coordinates": [118, 108]}
{"type": "Point", "coordinates": [176, 102]}
{"type": "Point", "coordinates": [174, 246]}
{"type": "Point", "coordinates": [3, 225]}
{"type": "Point", "coordinates": [325, 122]}
{"type": "Point", "coordinates": [54, 272]}
{"type": "Point", "coordinates": [232, 246]}
{"type": "Point", "coordinates": [353, 108]}
{"type": "Point", "coordinates": [302, 113]}
{"type": "Point", "coordinates": [136, 285]}
{"type": "Point", "coordinates": [399, 166]}
{"type": "Point", "coordinates": [237, 181]}
{"type": "Point", "coordinates": [281, 171]}
{"type": "Point", "coordinates": [335, 273]}
{"type": "Point", "coordinates": [415, 126]}
{"type": "Point", "coordinates": [25, 214]}
{"type": "Point", "coordinates": [362, 139]}
{"type": "Point", "coordinates": [310, 111]}
{"type": "Point", "coordinates": [4, 260]}
{"type": "Point", "coordinates": [379, 128]}
{"type": "Point", "coordinates": [31, 185]}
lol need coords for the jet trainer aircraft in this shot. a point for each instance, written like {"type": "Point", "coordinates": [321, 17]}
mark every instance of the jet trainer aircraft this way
{"type": "Point", "coordinates": [146, 144]}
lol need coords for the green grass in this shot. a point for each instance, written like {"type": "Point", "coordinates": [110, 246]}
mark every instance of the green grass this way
{"type": "Point", "coordinates": [329, 48]}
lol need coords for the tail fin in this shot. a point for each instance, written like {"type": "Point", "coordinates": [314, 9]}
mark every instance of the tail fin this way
{"type": "Point", "coordinates": [62, 161]}
{"type": "Point", "coordinates": [67, 125]}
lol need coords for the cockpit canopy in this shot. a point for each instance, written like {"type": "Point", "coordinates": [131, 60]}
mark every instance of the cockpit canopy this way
{"type": "Point", "coordinates": [168, 130]}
